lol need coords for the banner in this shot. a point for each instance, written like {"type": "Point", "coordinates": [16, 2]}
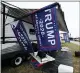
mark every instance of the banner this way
{"type": "Point", "coordinates": [22, 36]}
{"type": "Point", "coordinates": [66, 37]}
{"type": "Point", "coordinates": [47, 30]}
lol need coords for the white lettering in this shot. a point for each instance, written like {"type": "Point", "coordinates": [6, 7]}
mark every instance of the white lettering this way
{"type": "Point", "coordinates": [48, 24]}
{"type": "Point", "coordinates": [48, 10]}
{"type": "Point", "coordinates": [50, 34]}
{"type": "Point", "coordinates": [52, 41]}
{"type": "Point", "coordinates": [48, 17]}
{"type": "Point", "coordinates": [49, 27]}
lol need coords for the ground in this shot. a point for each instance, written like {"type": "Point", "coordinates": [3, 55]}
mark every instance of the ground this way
{"type": "Point", "coordinates": [28, 68]}
{"type": "Point", "coordinates": [76, 61]}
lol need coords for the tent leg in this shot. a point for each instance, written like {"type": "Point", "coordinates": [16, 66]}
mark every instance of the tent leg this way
{"type": "Point", "coordinates": [3, 24]}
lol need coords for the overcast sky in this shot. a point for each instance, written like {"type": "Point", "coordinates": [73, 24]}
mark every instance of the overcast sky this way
{"type": "Point", "coordinates": [71, 12]}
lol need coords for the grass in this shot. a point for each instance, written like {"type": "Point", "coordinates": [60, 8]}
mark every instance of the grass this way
{"type": "Point", "coordinates": [24, 68]}
{"type": "Point", "coordinates": [73, 47]}
{"type": "Point", "coordinates": [76, 60]}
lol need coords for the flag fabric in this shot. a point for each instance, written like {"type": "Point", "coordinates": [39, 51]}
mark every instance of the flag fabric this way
{"type": "Point", "coordinates": [66, 37]}
{"type": "Point", "coordinates": [22, 36]}
{"type": "Point", "coordinates": [47, 30]}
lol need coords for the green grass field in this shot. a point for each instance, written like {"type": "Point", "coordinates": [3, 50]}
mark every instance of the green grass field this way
{"type": "Point", "coordinates": [76, 60]}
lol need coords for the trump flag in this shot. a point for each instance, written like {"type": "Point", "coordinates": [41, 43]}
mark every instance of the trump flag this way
{"type": "Point", "coordinates": [47, 30]}
{"type": "Point", "coordinates": [22, 36]}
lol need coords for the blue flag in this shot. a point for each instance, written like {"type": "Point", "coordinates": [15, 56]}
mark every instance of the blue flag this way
{"type": "Point", "coordinates": [47, 30]}
{"type": "Point", "coordinates": [22, 36]}
{"type": "Point", "coordinates": [66, 37]}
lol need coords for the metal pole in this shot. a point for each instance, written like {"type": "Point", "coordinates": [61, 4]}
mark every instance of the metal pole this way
{"type": "Point", "coordinates": [3, 24]}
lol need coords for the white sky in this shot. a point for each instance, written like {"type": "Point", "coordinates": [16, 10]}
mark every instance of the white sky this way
{"type": "Point", "coordinates": [71, 13]}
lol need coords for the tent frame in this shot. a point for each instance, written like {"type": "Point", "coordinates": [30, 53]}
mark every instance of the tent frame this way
{"type": "Point", "coordinates": [4, 4]}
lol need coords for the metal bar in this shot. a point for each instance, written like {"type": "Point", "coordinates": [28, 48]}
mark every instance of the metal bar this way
{"type": "Point", "coordinates": [11, 41]}
{"type": "Point", "coordinates": [8, 37]}
{"type": "Point", "coordinates": [3, 24]}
